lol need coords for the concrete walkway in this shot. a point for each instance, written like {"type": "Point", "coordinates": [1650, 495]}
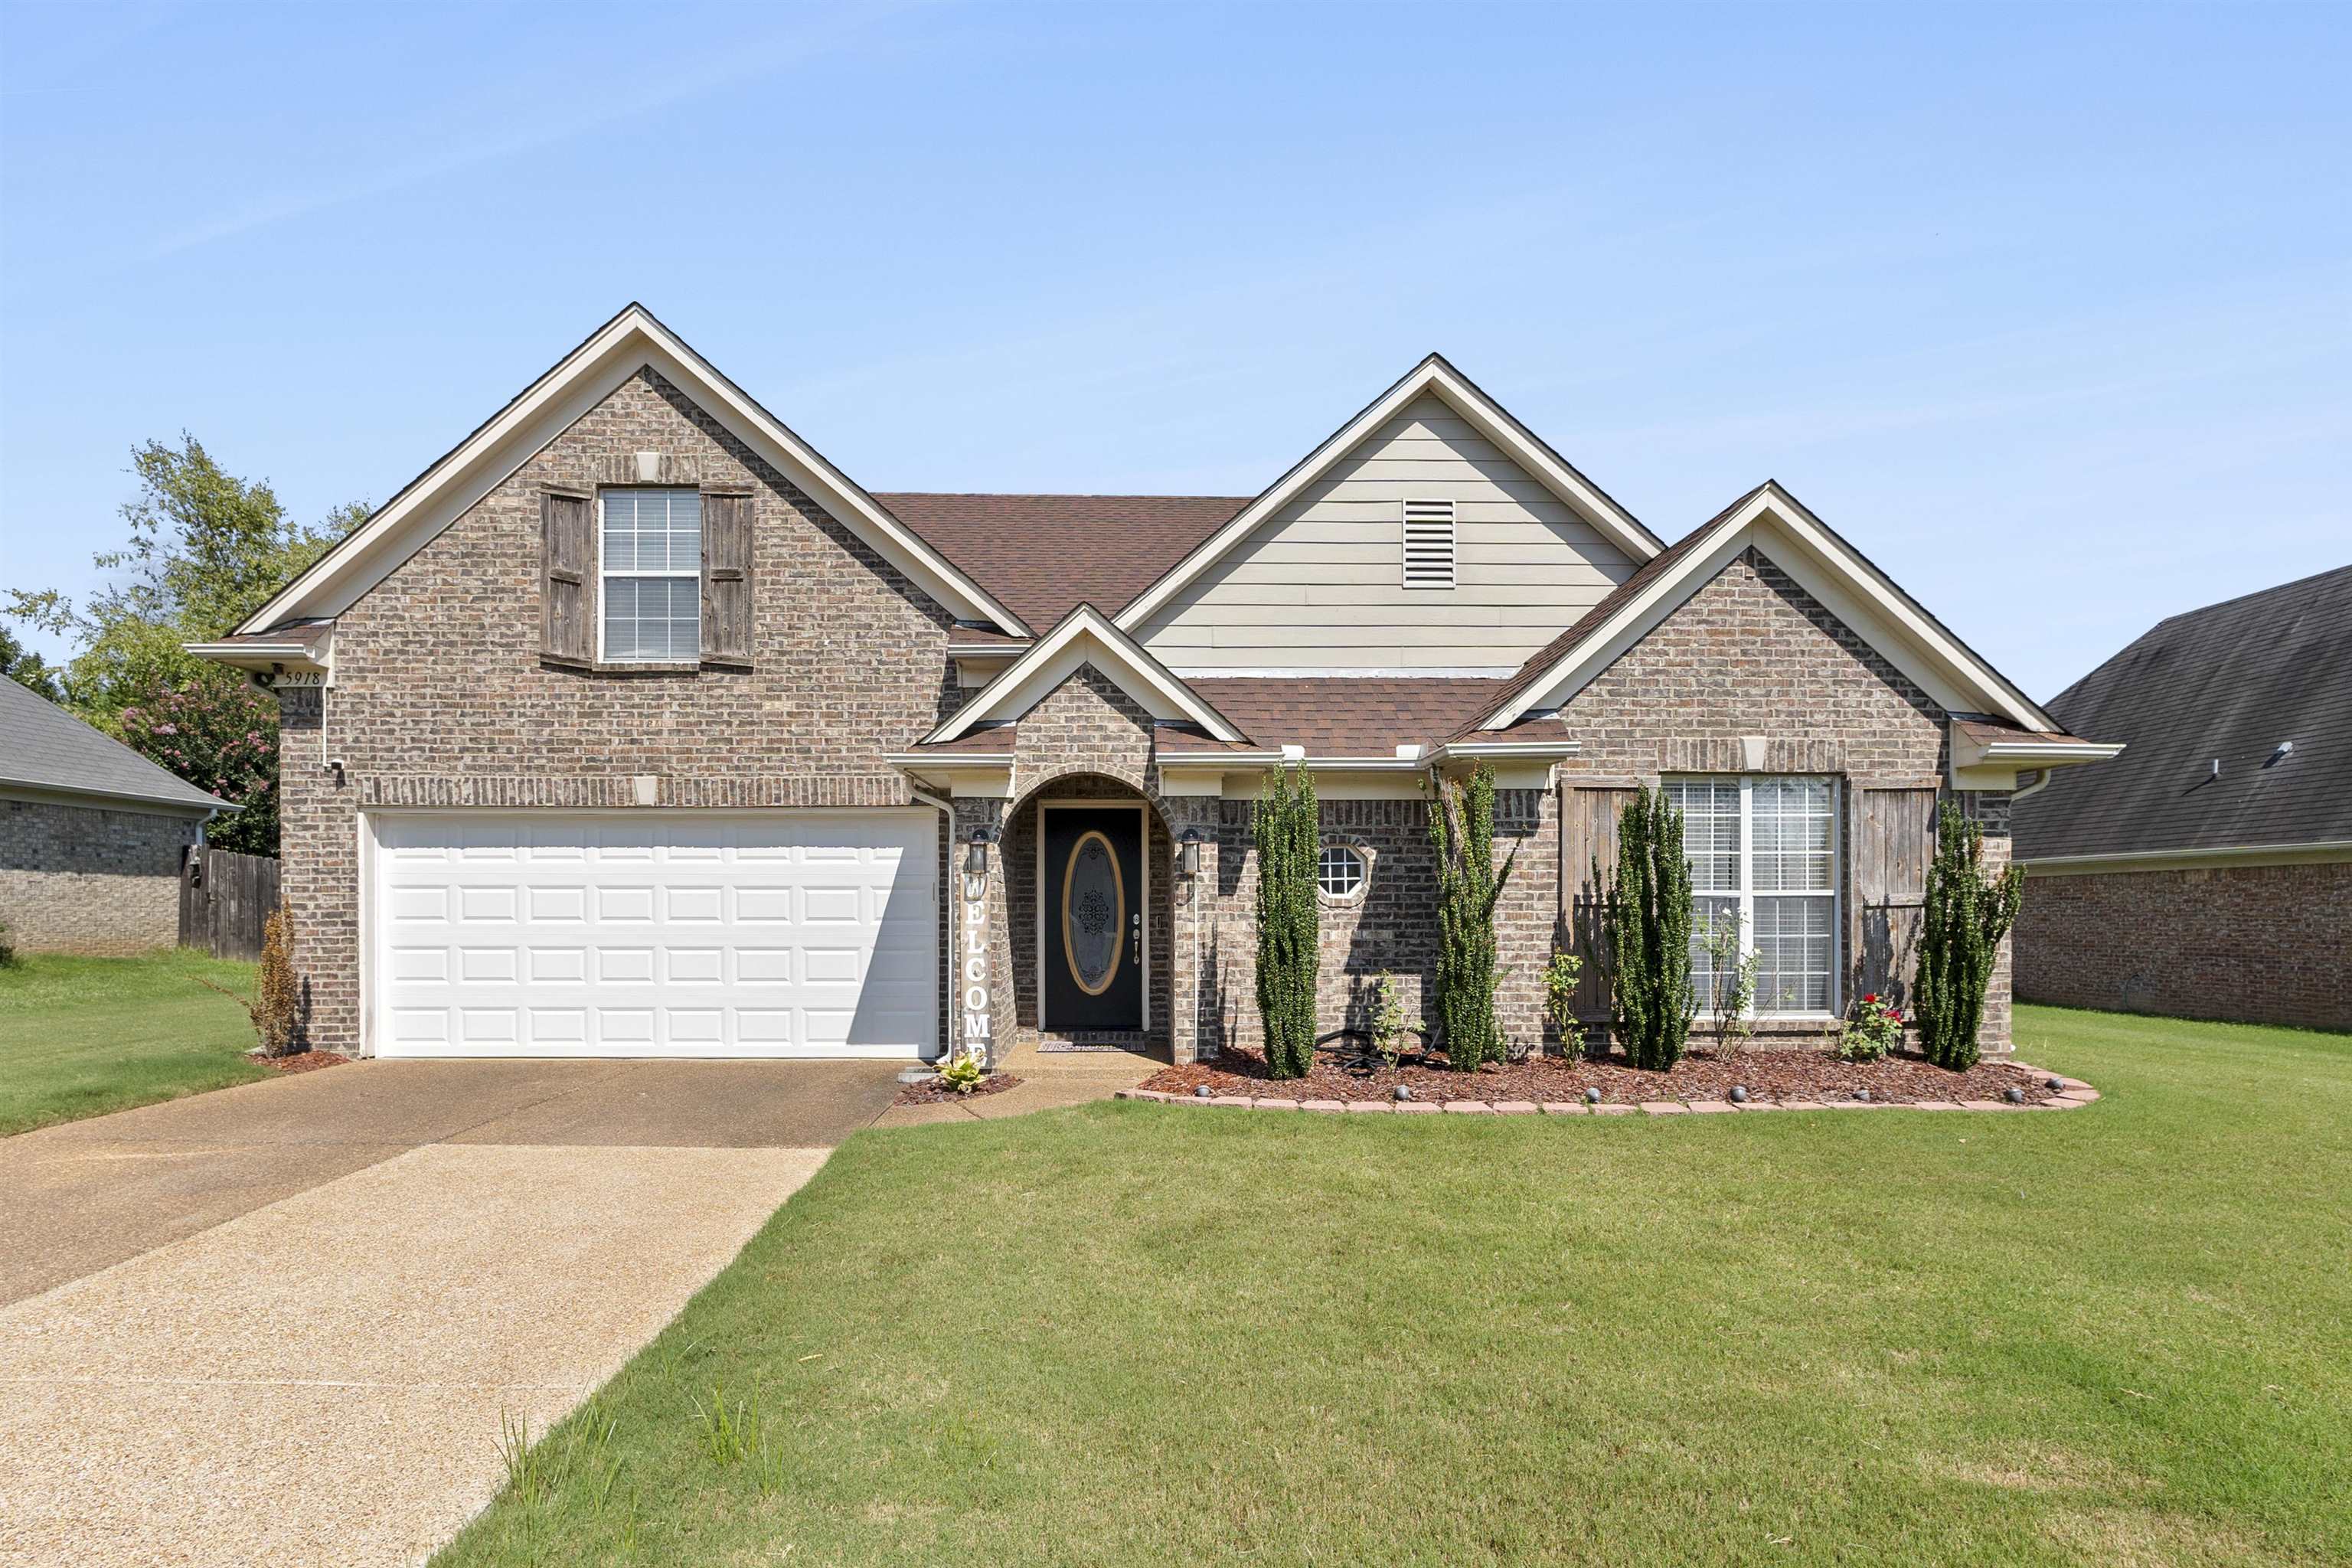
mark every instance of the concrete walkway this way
{"type": "Point", "coordinates": [288, 1322]}
{"type": "Point", "coordinates": [1049, 1080]}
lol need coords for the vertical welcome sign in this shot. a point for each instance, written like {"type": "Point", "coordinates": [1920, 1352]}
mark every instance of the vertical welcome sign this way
{"type": "Point", "coordinates": [977, 1035]}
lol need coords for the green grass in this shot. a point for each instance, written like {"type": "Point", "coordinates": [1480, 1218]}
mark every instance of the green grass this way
{"type": "Point", "coordinates": [1134, 1333]}
{"type": "Point", "coordinates": [81, 1037]}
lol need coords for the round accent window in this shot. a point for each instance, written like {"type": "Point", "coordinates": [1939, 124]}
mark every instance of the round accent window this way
{"type": "Point", "coordinates": [1340, 871]}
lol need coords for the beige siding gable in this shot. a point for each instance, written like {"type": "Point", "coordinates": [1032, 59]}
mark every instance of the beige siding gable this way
{"type": "Point", "coordinates": [1321, 585]}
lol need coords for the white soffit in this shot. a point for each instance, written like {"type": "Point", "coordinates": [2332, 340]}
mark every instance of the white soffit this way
{"type": "Point", "coordinates": [1085, 636]}
{"type": "Point", "coordinates": [630, 341]}
{"type": "Point", "coordinates": [1490, 419]}
{"type": "Point", "coordinates": [1826, 567]}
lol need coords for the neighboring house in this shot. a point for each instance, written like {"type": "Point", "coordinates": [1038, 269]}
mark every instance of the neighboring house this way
{"type": "Point", "coordinates": [2207, 874]}
{"type": "Point", "coordinates": [90, 835]}
{"type": "Point", "coordinates": [633, 726]}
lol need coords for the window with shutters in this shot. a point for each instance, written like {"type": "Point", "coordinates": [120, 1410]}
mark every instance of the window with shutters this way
{"type": "Point", "coordinates": [1429, 544]}
{"type": "Point", "coordinates": [1763, 854]}
{"type": "Point", "coordinates": [650, 575]}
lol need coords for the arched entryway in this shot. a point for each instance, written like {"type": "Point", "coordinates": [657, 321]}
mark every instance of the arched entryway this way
{"type": "Point", "coordinates": [1089, 915]}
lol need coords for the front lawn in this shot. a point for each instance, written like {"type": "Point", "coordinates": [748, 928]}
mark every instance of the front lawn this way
{"type": "Point", "coordinates": [81, 1037]}
{"type": "Point", "coordinates": [1136, 1334]}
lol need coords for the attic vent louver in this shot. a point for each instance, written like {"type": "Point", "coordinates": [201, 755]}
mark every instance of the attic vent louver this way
{"type": "Point", "coordinates": [1429, 544]}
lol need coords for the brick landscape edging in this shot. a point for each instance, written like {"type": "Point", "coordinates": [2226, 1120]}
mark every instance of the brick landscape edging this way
{"type": "Point", "coordinates": [2074, 1092]}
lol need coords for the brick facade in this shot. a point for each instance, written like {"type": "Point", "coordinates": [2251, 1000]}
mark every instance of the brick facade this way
{"type": "Point", "coordinates": [2248, 944]}
{"type": "Point", "coordinates": [1753, 656]}
{"type": "Point", "coordinates": [441, 696]}
{"type": "Point", "coordinates": [90, 879]}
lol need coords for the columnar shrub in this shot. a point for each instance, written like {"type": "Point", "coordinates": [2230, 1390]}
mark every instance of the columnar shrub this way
{"type": "Point", "coordinates": [1461, 831]}
{"type": "Point", "coordinates": [1286, 822]}
{"type": "Point", "coordinates": [277, 1000]}
{"type": "Point", "coordinates": [1959, 938]}
{"type": "Point", "coordinates": [1648, 920]}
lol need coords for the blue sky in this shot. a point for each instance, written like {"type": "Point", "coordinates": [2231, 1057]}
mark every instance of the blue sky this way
{"type": "Point", "coordinates": [2048, 309]}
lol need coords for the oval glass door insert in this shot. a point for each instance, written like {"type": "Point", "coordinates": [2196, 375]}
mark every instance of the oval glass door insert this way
{"type": "Point", "coordinates": [1094, 915]}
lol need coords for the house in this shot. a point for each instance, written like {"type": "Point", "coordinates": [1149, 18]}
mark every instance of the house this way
{"type": "Point", "coordinates": [91, 834]}
{"type": "Point", "coordinates": [2207, 874]}
{"type": "Point", "coordinates": [634, 726]}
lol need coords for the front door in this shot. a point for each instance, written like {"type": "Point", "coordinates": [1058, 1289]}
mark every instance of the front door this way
{"type": "Point", "coordinates": [1090, 903]}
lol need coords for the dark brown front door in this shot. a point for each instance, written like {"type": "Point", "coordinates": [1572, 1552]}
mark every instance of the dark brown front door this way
{"type": "Point", "coordinates": [1090, 901]}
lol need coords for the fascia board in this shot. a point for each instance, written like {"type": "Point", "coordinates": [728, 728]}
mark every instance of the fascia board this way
{"type": "Point", "coordinates": [1085, 636]}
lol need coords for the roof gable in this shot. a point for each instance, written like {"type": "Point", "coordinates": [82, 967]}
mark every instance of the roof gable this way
{"type": "Point", "coordinates": [1432, 377]}
{"type": "Point", "coordinates": [629, 343]}
{"type": "Point", "coordinates": [1822, 563]}
{"type": "Point", "coordinates": [1085, 636]}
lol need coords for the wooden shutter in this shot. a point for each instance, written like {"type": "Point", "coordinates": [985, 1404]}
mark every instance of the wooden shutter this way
{"type": "Point", "coordinates": [1587, 871]}
{"type": "Point", "coordinates": [726, 576]}
{"type": "Point", "coordinates": [567, 554]}
{"type": "Point", "coordinates": [1894, 839]}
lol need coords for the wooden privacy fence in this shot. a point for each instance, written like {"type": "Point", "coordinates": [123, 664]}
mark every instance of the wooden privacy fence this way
{"type": "Point", "coordinates": [224, 901]}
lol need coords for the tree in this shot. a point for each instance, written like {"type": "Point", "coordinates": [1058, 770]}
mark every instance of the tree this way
{"type": "Point", "coordinates": [223, 739]}
{"type": "Point", "coordinates": [1461, 831]}
{"type": "Point", "coordinates": [28, 669]}
{"type": "Point", "coordinates": [1960, 941]}
{"type": "Point", "coordinates": [206, 550]}
{"type": "Point", "coordinates": [1648, 920]}
{"type": "Point", "coordinates": [1287, 824]}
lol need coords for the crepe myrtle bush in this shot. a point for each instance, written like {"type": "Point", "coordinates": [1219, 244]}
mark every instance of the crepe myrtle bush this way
{"type": "Point", "coordinates": [1960, 940]}
{"type": "Point", "coordinates": [1287, 824]}
{"type": "Point", "coordinates": [1648, 920]}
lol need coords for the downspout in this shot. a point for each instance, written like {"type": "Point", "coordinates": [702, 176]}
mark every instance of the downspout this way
{"type": "Point", "coordinates": [947, 920]}
{"type": "Point", "coordinates": [2041, 782]}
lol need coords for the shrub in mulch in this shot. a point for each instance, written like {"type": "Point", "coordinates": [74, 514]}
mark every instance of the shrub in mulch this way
{"type": "Point", "coordinates": [936, 1091]}
{"type": "Point", "coordinates": [301, 1061]}
{"type": "Point", "coordinates": [1785, 1075]}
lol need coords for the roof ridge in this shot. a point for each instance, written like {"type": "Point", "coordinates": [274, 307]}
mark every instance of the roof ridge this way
{"type": "Point", "coordinates": [2254, 593]}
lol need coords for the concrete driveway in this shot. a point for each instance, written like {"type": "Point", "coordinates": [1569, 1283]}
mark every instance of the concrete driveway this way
{"type": "Point", "coordinates": [288, 1321]}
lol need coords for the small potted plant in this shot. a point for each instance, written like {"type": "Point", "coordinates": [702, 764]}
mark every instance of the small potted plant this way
{"type": "Point", "coordinates": [1873, 1029]}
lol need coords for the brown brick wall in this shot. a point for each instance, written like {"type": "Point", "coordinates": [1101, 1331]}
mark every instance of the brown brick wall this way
{"type": "Point", "coordinates": [1393, 928]}
{"type": "Point", "coordinates": [1752, 654]}
{"type": "Point", "coordinates": [2248, 945]}
{"type": "Point", "coordinates": [90, 879]}
{"type": "Point", "coordinates": [441, 698]}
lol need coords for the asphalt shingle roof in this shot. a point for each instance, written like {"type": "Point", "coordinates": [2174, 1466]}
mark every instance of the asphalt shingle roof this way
{"type": "Point", "coordinates": [2230, 682]}
{"type": "Point", "coordinates": [1044, 555]}
{"type": "Point", "coordinates": [42, 746]}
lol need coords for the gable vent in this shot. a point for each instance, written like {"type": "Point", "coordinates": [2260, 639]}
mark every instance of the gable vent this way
{"type": "Point", "coordinates": [1429, 544]}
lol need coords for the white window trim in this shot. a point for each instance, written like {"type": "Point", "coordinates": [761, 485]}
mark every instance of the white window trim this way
{"type": "Point", "coordinates": [1746, 898]}
{"type": "Point", "coordinates": [604, 575]}
{"type": "Point", "coordinates": [1364, 858]}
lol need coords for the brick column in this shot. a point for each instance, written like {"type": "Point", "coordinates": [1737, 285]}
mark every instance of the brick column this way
{"type": "Point", "coordinates": [980, 948]}
{"type": "Point", "coordinates": [1989, 809]}
{"type": "Point", "coordinates": [1193, 904]}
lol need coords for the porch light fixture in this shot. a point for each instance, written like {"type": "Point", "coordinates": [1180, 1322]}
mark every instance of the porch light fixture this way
{"type": "Point", "coordinates": [975, 855]}
{"type": "Point", "coordinates": [1188, 853]}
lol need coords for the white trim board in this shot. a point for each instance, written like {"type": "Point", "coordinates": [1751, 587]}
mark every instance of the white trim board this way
{"type": "Point", "coordinates": [629, 343]}
{"type": "Point", "coordinates": [1434, 377]}
{"type": "Point", "coordinates": [1826, 567]}
{"type": "Point", "coordinates": [1085, 636]}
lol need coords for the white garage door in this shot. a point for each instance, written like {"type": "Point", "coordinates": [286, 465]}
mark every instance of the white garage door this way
{"type": "Point", "coordinates": [781, 933]}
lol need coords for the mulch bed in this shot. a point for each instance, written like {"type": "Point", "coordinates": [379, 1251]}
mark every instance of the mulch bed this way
{"type": "Point", "coordinates": [935, 1091]}
{"type": "Point", "coordinates": [303, 1061]}
{"type": "Point", "coordinates": [1784, 1075]}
